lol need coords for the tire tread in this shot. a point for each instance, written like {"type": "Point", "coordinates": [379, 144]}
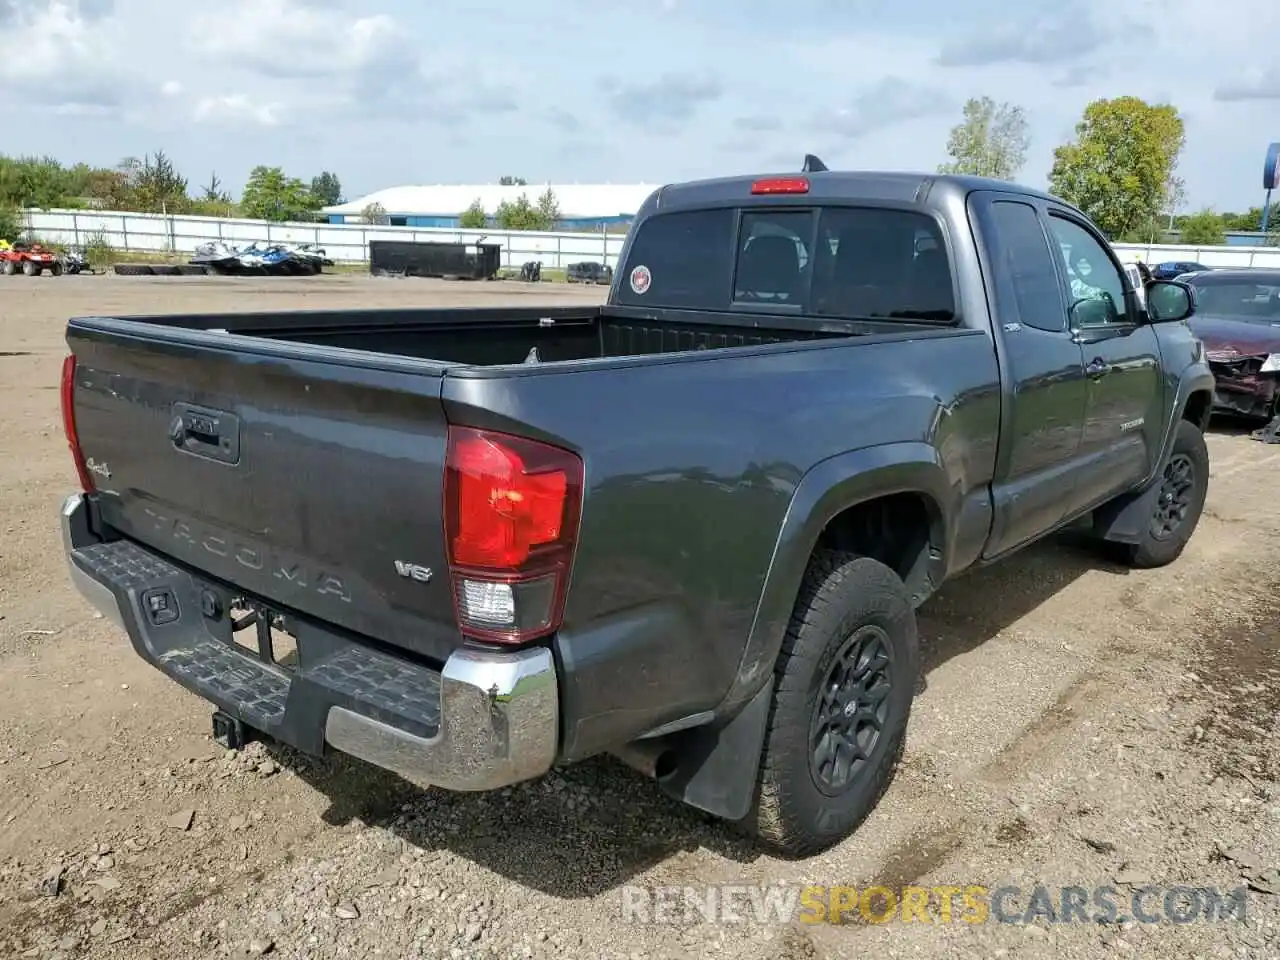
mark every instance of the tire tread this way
{"type": "Point", "coordinates": [1150, 553]}
{"type": "Point", "coordinates": [832, 577]}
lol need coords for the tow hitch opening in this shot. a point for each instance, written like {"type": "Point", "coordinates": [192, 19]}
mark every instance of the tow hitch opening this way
{"type": "Point", "coordinates": [230, 733]}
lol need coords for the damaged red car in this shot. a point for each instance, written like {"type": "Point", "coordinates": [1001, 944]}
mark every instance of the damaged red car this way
{"type": "Point", "coordinates": [1238, 319]}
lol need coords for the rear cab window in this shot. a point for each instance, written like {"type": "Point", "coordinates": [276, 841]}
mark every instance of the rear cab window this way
{"type": "Point", "coordinates": [841, 262]}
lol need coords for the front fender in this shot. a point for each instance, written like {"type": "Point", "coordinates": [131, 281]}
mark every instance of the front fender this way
{"type": "Point", "coordinates": [1195, 378]}
{"type": "Point", "coordinates": [1125, 518]}
{"type": "Point", "coordinates": [826, 490]}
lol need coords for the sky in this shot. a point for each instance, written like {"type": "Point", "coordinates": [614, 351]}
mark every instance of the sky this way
{"type": "Point", "coordinates": [393, 92]}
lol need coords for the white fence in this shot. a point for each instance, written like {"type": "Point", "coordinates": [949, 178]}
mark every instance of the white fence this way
{"type": "Point", "coordinates": [350, 242]}
{"type": "Point", "coordinates": [153, 232]}
{"type": "Point", "coordinates": [1209, 256]}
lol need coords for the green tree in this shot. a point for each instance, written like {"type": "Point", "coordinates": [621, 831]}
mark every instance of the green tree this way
{"type": "Point", "coordinates": [153, 185]}
{"type": "Point", "coordinates": [35, 182]}
{"type": "Point", "coordinates": [1203, 229]}
{"type": "Point", "coordinates": [270, 195]}
{"type": "Point", "coordinates": [1252, 219]}
{"type": "Point", "coordinates": [474, 217]}
{"type": "Point", "coordinates": [548, 210]}
{"type": "Point", "coordinates": [991, 140]}
{"type": "Point", "coordinates": [1175, 195]}
{"type": "Point", "coordinates": [10, 222]}
{"type": "Point", "coordinates": [326, 188]}
{"type": "Point", "coordinates": [213, 191]}
{"type": "Point", "coordinates": [520, 214]}
{"type": "Point", "coordinates": [214, 200]}
{"type": "Point", "coordinates": [512, 181]}
{"type": "Point", "coordinates": [1119, 166]}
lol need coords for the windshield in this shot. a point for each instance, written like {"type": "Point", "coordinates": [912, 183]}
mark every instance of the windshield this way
{"type": "Point", "coordinates": [1240, 300]}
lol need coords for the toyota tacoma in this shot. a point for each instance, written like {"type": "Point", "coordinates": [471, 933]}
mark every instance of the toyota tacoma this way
{"type": "Point", "coordinates": [690, 527]}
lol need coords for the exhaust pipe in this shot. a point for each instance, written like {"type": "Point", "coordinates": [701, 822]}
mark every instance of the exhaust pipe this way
{"type": "Point", "coordinates": [653, 758]}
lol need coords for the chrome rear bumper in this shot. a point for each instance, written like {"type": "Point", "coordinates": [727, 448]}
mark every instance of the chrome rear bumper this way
{"type": "Point", "coordinates": [489, 718]}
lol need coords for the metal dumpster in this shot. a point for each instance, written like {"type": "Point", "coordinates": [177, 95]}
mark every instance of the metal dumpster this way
{"type": "Point", "coordinates": [462, 261]}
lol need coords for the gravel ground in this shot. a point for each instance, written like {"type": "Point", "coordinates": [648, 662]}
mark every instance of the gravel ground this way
{"type": "Point", "coordinates": [1080, 725]}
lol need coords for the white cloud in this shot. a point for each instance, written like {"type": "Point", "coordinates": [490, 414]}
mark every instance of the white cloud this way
{"type": "Point", "coordinates": [887, 103]}
{"type": "Point", "coordinates": [57, 54]}
{"type": "Point", "coordinates": [391, 91]}
{"type": "Point", "coordinates": [293, 39]}
{"type": "Point", "coordinates": [1256, 84]}
{"type": "Point", "coordinates": [236, 108]}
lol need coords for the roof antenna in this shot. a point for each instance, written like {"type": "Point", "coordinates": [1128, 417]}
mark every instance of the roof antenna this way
{"type": "Point", "coordinates": [812, 164]}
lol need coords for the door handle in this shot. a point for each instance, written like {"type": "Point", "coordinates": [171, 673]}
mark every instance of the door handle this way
{"type": "Point", "coordinates": [1097, 368]}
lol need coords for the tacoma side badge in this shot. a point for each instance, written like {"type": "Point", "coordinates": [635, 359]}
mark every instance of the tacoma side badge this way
{"type": "Point", "coordinates": [414, 571]}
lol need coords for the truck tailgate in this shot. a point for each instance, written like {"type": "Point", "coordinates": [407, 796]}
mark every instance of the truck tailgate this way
{"type": "Point", "coordinates": [304, 476]}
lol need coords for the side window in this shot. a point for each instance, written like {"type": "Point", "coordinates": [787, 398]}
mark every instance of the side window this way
{"type": "Point", "coordinates": [681, 260]}
{"type": "Point", "coordinates": [1024, 255]}
{"type": "Point", "coordinates": [1096, 286]}
{"type": "Point", "coordinates": [881, 264]}
{"type": "Point", "coordinates": [773, 257]}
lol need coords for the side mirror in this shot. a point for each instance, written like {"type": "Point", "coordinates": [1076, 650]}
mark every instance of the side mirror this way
{"type": "Point", "coordinates": [1169, 300]}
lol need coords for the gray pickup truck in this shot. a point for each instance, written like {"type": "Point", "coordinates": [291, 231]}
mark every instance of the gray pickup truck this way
{"type": "Point", "coordinates": [689, 528]}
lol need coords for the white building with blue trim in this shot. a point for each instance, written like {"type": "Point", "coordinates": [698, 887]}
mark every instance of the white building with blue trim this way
{"type": "Point", "coordinates": [583, 207]}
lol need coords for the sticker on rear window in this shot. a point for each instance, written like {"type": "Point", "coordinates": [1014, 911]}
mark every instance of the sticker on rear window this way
{"type": "Point", "coordinates": [640, 280]}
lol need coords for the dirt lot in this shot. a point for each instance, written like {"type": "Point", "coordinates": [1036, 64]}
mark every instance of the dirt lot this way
{"type": "Point", "coordinates": [1080, 725]}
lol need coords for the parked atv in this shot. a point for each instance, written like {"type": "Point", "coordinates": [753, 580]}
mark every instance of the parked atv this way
{"type": "Point", "coordinates": [74, 261]}
{"type": "Point", "coordinates": [31, 258]}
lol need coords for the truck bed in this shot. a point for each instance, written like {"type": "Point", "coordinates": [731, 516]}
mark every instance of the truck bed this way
{"type": "Point", "coordinates": [299, 457]}
{"type": "Point", "coordinates": [499, 336]}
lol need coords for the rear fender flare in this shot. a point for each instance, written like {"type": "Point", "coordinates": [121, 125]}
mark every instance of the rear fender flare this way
{"type": "Point", "coordinates": [827, 489]}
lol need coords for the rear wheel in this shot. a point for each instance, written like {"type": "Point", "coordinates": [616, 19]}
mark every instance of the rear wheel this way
{"type": "Point", "coordinates": [30, 269]}
{"type": "Point", "coordinates": [55, 270]}
{"type": "Point", "coordinates": [1182, 488]}
{"type": "Point", "coordinates": [845, 681]}
{"type": "Point", "coordinates": [8, 268]}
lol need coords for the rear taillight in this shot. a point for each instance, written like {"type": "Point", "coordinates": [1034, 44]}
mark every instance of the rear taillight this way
{"type": "Point", "coordinates": [68, 395]}
{"type": "Point", "coordinates": [511, 512]}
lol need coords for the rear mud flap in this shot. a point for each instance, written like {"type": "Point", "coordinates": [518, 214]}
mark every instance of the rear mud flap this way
{"type": "Point", "coordinates": [718, 767]}
{"type": "Point", "coordinates": [1270, 433]}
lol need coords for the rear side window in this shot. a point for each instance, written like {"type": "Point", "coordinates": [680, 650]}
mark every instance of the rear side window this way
{"type": "Point", "coordinates": [840, 262]}
{"type": "Point", "coordinates": [681, 260]}
{"type": "Point", "coordinates": [1023, 251]}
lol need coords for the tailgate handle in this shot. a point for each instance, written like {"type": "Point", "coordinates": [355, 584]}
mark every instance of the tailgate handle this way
{"type": "Point", "coordinates": [203, 432]}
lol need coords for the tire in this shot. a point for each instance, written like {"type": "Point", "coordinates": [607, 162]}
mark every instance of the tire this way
{"type": "Point", "coordinates": [132, 270]}
{"type": "Point", "coordinates": [8, 268]}
{"type": "Point", "coordinates": [1183, 485]}
{"type": "Point", "coordinates": [56, 270]}
{"type": "Point", "coordinates": [845, 602]}
{"type": "Point", "coordinates": [29, 269]}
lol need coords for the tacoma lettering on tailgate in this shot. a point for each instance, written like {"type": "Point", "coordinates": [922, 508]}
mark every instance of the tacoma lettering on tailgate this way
{"type": "Point", "coordinates": [251, 556]}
